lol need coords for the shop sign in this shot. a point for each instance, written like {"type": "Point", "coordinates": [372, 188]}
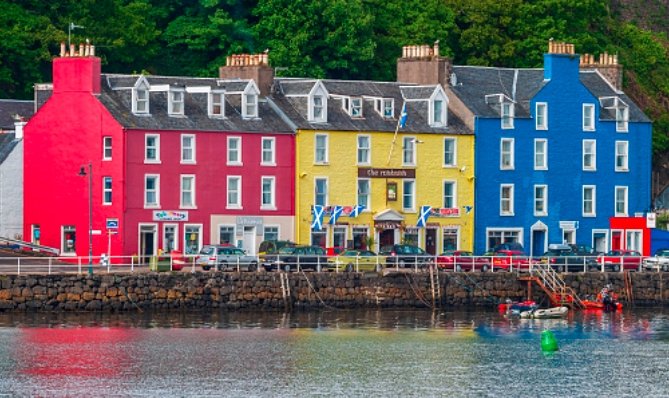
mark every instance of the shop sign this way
{"type": "Point", "coordinates": [249, 221]}
{"type": "Point", "coordinates": [386, 224]}
{"type": "Point", "coordinates": [369, 172]}
{"type": "Point", "coordinates": [569, 225]}
{"type": "Point", "coordinates": [650, 220]}
{"type": "Point", "coordinates": [170, 215]}
{"type": "Point", "coordinates": [445, 212]}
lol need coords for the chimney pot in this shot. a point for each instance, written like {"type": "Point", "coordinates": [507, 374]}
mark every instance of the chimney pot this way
{"type": "Point", "coordinates": [62, 48]}
{"type": "Point", "coordinates": [92, 50]}
{"type": "Point", "coordinates": [71, 50]}
{"type": "Point", "coordinates": [435, 49]}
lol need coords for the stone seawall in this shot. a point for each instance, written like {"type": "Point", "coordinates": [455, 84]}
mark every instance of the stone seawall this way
{"type": "Point", "coordinates": [201, 290]}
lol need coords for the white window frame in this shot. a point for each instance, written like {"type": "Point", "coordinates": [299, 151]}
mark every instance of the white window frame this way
{"type": "Point", "coordinates": [156, 147]}
{"type": "Point", "coordinates": [237, 150]}
{"type": "Point", "coordinates": [107, 142]}
{"type": "Point", "coordinates": [454, 142]}
{"type": "Point", "coordinates": [622, 119]}
{"type": "Point", "coordinates": [272, 193]}
{"type": "Point", "coordinates": [538, 155]}
{"type": "Point", "coordinates": [325, 150]}
{"type": "Point", "coordinates": [356, 107]}
{"type": "Point", "coordinates": [176, 236]}
{"type": "Point", "coordinates": [183, 191]}
{"type": "Point", "coordinates": [541, 116]}
{"type": "Point", "coordinates": [412, 195]}
{"type": "Point", "coordinates": [278, 231]}
{"type": "Point", "coordinates": [184, 159]}
{"type": "Point", "coordinates": [176, 102]}
{"type": "Point", "coordinates": [366, 152]}
{"type": "Point", "coordinates": [220, 241]}
{"type": "Point", "coordinates": [213, 103]}
{"type": "Point", "coordinates": [249, 105]}
{"type": "Point", "coordinates": [155, 205]}
{"type": "Point", "coordinates": [515, 232]}
{"type": "Point", "coordinates": [238, 203]}
{"type": "Point", "coordinates": [624, 155]}
{"type": "Point", "coordinates": [625, 191]}
{"type": "Point", "coordinates": [593, 155]}
{"type": "Point", "coordinates": [593, 190]}
{"type": "Point", "coordinates": [503, 199]}
{"type": "Point", "coordinates": [507, 111]}
{"type": "Point", "coordinates": [510, 154]}
{"type": "Point", "coordinates": [389, 105]}
{"type": "Point", "coordinates": [315, 116]}
{"type": "Point", "coordinates": [454, 194]}
{"type": "Point", "coordinates": [63, 251]}
{"type": "Point", "coordinates": [543, 201]}
{"type": "Point", "coordinates": [589, 123]}
{"type": "Point", "coordinates": [367, 203]}
{"type": "Point", "coordinates": [107, 190]}
{"type": "Point", "coordinates": [199, 236]}
{"type": "Point", "coordinates": [409, 151]}
{"type": "Point", "coordinates": [438, 117]}
{"type": "Point", "coordinates": [136, 100]}
{"type": "Point", "coordinates": [271, 151]}
{"type": "Point", "coordinates": [326, 193]}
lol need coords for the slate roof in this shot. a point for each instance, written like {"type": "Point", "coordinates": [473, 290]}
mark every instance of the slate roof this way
{"type": "Point", "coordinates": [116, 95]}
{"type": "Point", "coordinates": [9, 108]}
{"type": "Point", "coordinates": [7, 143]}
{"type": "Point", "coordinates": [475, 82]}
{"type": "Point", "coordinates": [290, 94]}
{"type": "Point", "coordinates": [43, 92]}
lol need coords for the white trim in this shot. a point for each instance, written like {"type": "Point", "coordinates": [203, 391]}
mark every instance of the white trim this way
{"type": "Point", "coordinates": [210, 104]}
{"type": "Point", "coordinates": [625, 166]}
{"type": "Point", "coordinates": [454, 183]}
{"type": "Point", "coordinates": [626, 201]}
{"type": "Point", "coordinates": [544, 200]}
{"type": "Point", "coordinates": [173, 100]}
{"type": "Point", "coordinates": [412, 146]}
{"type": "Point", "coordinates": [544, 156]}
{"type": "Point", "coordinates": [544, 115]}
{"type": "Point", "coordinates": [278, 231]}
{"type": "Point", "coordinates": [250, 92]}
{"type": "Point", "coordinates": [510, 199]}
{"type": "Point", "coordinates": [594, 201]}
{"type": "Point", "coordinates": [216, 240]}
{"type": "Point", "coordinates": [593, 167]}
{"type": "Point", "coordinates": [176, 236]}
{"type": "Point", "coordinates": [272, 205]}
{"type": "Point", "coordinates": [141, 85]}
{"type": "Point", "coordinates": [413, 195]}
{"type": "Point", "coordinates": [73, 253]}
{"type": "Point", "coordinates": [105, 147]}
{"type": "Point", "coordinates": [228, 204]}
{"type": "Point", "coordinates": [327, 189]}
{"type": "Point", "coordinates": [318, 90]}
{"type": "Point", "coordinates": [139, 238]}
{"type": "Point", "coordinates": [368, 161]}
{"type": "Point", "coordinates": [181, 192]}
{"type": "Point", "coordinates": [326, 153]}
{"type": "Point", "coordinates": [199, 240]}
{"type": "Point", "coordinates": [510, 117]}
{"type": "Point", "coordinates": [438, 95]}
{"type": "Point", "coordinates": [607, 242]}
{"type": "Point", "coordinates": [238, 150]}
{"type": "Point", "coordinates": [584, 125]}
{"type": "Point", "coordinates": [520, 232]}
{"type": "Point", "coordinates": [512, 161]}
{"type": "Point", "coordinates": [193, 160]}
{"type": "Point", "coordinates": [105, 190]}
{"type": "Point", "coordinates": [369, 193]}
{"type": "Point", "coordinates": [455, 152]}
{"type": "Point", "coordinates": [156, 147]}
{"type": "Point", "coordinates": [157, 191]}
{"type": "Point", "coordinates": [272, 151]}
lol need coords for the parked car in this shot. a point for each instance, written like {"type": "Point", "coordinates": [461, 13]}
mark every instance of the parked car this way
{"type": "Point", "coordinates": [612, 261]}
{"type": "Point", "coordinates": [510, 260]}
{"type": "Point", "coordinates": [222, 257]}
{"type": "Point", "coordinates": [583, 250]}
{"type": "Point", "coordinates": [405, 256]}
{"type": "Point", "coordinates": [660, 261]}
{"type": "Point", "coordinates": [357, 260]}
{"type": "Point", "coordinates": [563, 259]}
{"type": "Point", "coordinates": [508, 246]}
{"type": "Point", "coordinates": [273, 246]}
{"type": "Point", "coordinates": [296, 257]}
{"type": "Point", "coordinates": [459, 260]}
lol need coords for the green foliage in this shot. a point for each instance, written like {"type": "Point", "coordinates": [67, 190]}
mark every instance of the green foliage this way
{"type": "Point", "coordinates": [344, 39]}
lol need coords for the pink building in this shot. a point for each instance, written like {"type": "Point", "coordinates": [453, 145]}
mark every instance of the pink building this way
{"type": "Point", "coordinates": [176, 162]}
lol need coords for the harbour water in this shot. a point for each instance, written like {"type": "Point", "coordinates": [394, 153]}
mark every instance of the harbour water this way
{"type": "Point", "coordinates": [464, 353]}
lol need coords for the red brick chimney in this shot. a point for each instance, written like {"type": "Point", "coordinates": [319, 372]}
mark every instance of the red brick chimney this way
{"type": "Point", "coordinates": [607, 65]}
{"type": "Point", "coordinates": [423, 65]}
{"type": "Point", "coordinates": [249, 66]}
{"type": "Point", "coordinates": [76, 70]}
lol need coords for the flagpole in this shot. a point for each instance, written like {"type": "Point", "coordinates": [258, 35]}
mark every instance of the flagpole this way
{"type": "Point", "coordinates": [399, 120]}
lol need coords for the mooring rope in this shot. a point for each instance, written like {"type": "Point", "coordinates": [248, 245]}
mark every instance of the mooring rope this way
{"type": "Point", "coordinates": [314, 290]}
{"type": "Point", "coordinates": [416, 293]}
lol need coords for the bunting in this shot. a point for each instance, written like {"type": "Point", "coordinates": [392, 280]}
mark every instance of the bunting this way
{"type": "Point", "coordinates": [424, 215]}
{"type": "Point", "coordinates": [317, 212]}
{"type": "Point", "coordinates": [336, 213]}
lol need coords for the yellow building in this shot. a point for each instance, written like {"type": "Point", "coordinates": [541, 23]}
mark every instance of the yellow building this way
{"type": "Point", "coordinates": [354, 148]}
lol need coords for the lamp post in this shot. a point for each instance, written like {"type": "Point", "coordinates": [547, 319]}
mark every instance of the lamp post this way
{"type": "Point", "coordinates": [83, 173]}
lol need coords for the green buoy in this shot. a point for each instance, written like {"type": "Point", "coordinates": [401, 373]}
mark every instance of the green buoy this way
{"type": "Point", "coordinates": [548, 341]}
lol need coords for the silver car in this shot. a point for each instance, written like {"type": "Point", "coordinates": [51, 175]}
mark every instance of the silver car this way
{"type": "Point", "coordinates": [226, 257]}
{"type": "Point", "coordinates": [660, 261]}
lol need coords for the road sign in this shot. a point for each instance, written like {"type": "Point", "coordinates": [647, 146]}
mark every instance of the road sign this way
{"type": "Point", "coordinates": [112, 223]}
{"type": "Point", "coordinates": [96, 232]}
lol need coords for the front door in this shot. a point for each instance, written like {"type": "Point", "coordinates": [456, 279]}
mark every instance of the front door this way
{"type": "Point", "coordinates": [431, 241]}
{"type": "Point", "coordinates": [538, 242]}
{"type": "Point", "coordinates": [386, 238]}
{"type": "Point", "coordinates": [249, 244]}
{"type": "Point", "coordinates": [147, 245]}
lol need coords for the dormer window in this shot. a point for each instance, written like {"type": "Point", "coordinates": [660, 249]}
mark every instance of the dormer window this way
{"type": "Point", "coordinates": [507, 115]}
{"type": "Point", "coordinates": [387, 108]}
{"type": "Point", "coordinates": [356, 107]}
{"type": "Point", "coordinates": [318, 103]}
{"type": "Point", "coordinates": [249, 105]}
{"type": "Point", "coordinates": [216, 104]}
{"type": "Point", "coordinates": [140, 99]}
{"type": "Point", "coordinates": [176, 102]}
{"type": "Point", "coordinates": [345, 102]}
{"type": "Point", "coordinates": [438, 107]}
{"type": "Point", "coordinates": [622, 117]}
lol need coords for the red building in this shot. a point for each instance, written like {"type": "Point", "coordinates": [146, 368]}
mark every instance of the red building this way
{"type": "Point", "coordinates": [632, 233]}
{"type": "Point", "coordinates": [176, 162]}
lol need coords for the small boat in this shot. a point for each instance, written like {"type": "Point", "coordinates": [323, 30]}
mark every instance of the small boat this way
{"type": "Point", "coordinates": [545, 313]}
{"type": "Point", "coordinates": [598, 305]}
{"type": "Point", "coordinates": [517, 307]}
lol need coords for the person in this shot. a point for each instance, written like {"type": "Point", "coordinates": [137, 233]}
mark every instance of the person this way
{"type": "Point", "coordinates": [607, 299]}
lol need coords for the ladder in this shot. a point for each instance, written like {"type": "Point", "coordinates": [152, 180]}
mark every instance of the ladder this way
{"type": "Point", "coordinates": [554, 286]}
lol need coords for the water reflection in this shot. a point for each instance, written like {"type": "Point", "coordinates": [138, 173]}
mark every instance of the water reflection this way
{"type": "Point", "coordinates": [470, 352]}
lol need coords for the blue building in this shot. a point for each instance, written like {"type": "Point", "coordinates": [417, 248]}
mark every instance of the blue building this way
{"type": "Point", "coordinates": [559, 150]}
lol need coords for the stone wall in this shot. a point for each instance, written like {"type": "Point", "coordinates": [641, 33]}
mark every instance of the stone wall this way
{"type": "Point", "coordinates": [201, 290]}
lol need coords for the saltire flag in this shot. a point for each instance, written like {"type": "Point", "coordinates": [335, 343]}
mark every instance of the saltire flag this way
{"type": "Point", "coordinates": [336, 212]}
{"type": "Point", "coordinates": [403, 116]}
{"type": "Point", "coordinates": [357, 210]}
{"type": "Point", "coordinates": [317, 213]}
{"type": "Point", "coordinates": [468, 209]}
{"type": "Point", "coordinates": [424, 215]}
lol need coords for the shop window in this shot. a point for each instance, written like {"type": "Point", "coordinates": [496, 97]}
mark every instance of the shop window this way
{"type": "Point", "coordinates": [192, 236]}
{"type": "Point", "coordinates": [69, 240]}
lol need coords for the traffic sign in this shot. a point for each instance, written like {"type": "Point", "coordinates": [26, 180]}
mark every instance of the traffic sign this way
{"type": "Point", "coordinates": [112, 223]}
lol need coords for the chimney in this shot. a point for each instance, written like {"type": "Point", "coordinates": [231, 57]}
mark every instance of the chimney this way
{"type": "Point", "coordinates": [18, 128]}
{"type": "Point", "coordinates": [249, 66]}
{"type": "Point", "coordinates": [423, 65]}
{"type": "Point", "coordinates": [607, 65]}
{"type": "Point", "coordinates": [76, 70]}
{"type": "Point", "coordinates": [560, 62]}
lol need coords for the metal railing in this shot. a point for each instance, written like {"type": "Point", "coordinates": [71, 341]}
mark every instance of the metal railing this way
{"type": "Point", "coordinates": [190, 263]}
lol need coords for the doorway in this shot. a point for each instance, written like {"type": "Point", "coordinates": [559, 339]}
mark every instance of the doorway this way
{"type": "Point", "coordinates": [600, 241]}
{"type": "Point", "coordinates": [616, 240]}
{"type": "Point", "coordinates": [386, 238]}
{"type": "Point", "coordinates": [249, 243]}
{"type": "Point", "coordinates": [431, 241]}
{"type": "Point", "coordinates": [538, 242]}
{"type": "Point", "coordinates": [147, 242]}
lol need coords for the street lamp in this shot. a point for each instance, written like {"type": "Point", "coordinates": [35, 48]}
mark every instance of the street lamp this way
{"type": "Point", "coordinates": [82, 172]}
